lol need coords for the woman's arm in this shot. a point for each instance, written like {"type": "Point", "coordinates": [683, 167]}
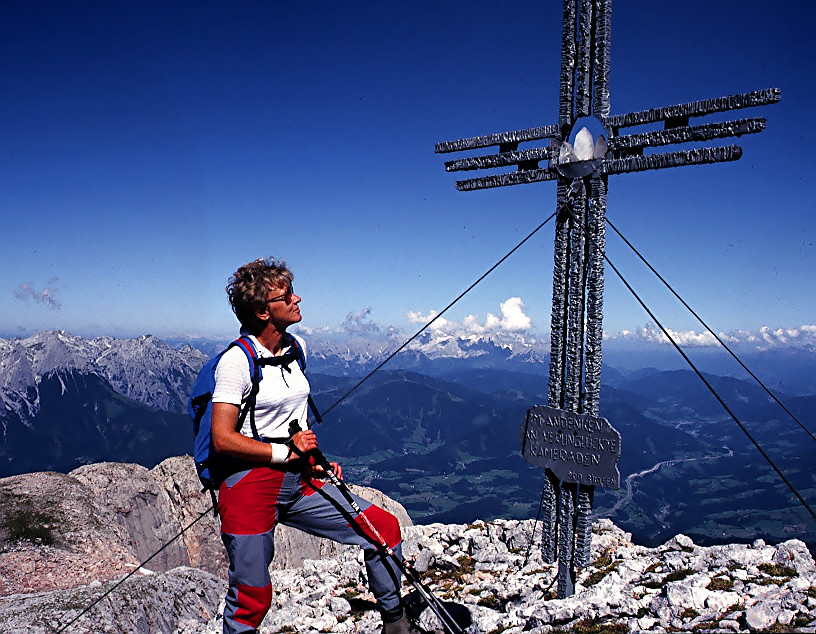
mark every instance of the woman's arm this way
{"type": "Point", "coordinates": [228, 441]}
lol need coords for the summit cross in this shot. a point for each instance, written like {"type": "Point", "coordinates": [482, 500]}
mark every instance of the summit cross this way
{"type": "Point", "coordinates": [581, 170]}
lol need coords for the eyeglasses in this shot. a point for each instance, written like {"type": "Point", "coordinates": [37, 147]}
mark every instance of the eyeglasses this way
{"type": "Point", "coordinates": [283, 298]}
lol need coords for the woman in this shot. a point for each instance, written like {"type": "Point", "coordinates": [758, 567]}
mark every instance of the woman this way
{"type": "Point", "coordinates": [267, 483]}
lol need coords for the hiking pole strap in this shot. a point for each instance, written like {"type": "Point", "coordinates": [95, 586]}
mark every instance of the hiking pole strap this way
{"type": "Point", "coordinates": [437, 607]}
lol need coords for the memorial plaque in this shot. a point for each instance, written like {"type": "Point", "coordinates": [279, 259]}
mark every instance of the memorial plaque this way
{"type": "Point", "coordinates": [577, 448]}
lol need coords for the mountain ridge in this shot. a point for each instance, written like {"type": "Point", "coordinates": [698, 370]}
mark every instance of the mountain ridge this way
{"type": "Point", "coordinates": [144, 368]}
{"type": "Point", "coordinates": [453, 434]}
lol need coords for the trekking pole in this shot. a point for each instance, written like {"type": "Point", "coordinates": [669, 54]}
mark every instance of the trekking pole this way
{"type": "Point", "coordinates": [405, 567]}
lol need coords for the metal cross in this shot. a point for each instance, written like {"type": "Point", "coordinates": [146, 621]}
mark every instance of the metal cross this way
{"type": "Point", "coordinates": [581, 174]}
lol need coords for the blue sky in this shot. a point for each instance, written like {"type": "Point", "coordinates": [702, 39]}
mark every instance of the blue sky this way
{"type": "Point", "coordinates": [149, 148]}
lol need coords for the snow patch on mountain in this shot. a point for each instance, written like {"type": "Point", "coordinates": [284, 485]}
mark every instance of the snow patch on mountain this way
{"type": "Point", "coordinates": [433, 344]}
{"type": "Point", "coordinates": [144, 368]}
{"type": "Point", "coordinates": [152, 372]}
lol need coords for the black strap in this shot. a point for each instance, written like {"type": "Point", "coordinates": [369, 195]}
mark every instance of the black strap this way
{"type": "Point", "coordinates": [283, 360]}
{"type": "Point", "coordinates": [314, 409]}
{"type": "Point", "coordinates": [250, 404]}
{"type": "Point", "coordinates": [295, 353]}
{"type": "Point", "coordinates": [302, 363]}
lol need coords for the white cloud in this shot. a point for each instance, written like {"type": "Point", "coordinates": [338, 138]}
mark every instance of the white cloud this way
{"type": "Point", "coordinates": [310, 331]}
{"type": "Point", "coordinates": [512, 320]}
{"type": "Point", "coordinates": [471, 324]}
{"type": "Point", "coordinates": [359, 324]}
{"type": "Point", "coordinates": [804, 335]}
{"type": "Point", "coordinates": [511, 328]}
{"type": "Point", "coordinates": [691, 338]}
{"type": "Point", "coordinates": [764, 338]}
{"type": "Point", "coordinates": [416, 317]}
{"type": "Point", "coordinates": [26, 292]}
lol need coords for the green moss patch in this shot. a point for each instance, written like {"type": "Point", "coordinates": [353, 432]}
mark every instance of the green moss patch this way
{"type": "Point", "coordinates": [676, 575]}
{"type": "Point", "coordinates": [20, 522]}
{"type": "Point", "coordinates": [596, 576]}
{"type": "Point", "coordinates": [777, 570]}
{"type": "Point", "coordinates": [721, 583]}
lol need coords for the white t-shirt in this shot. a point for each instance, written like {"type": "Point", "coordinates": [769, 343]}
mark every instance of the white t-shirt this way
{"type": "Point", "coordinates": [282, 397]}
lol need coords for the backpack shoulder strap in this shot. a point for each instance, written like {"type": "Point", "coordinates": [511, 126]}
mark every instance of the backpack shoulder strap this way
{"type": "Point", "coordinates": [301, 355]}
{"type": "Point", "coordinates": [245, 343]}
{"type": "Point", "coordinates": [301, 359]}
{"type": "Point", "coordinates": [255, 372]}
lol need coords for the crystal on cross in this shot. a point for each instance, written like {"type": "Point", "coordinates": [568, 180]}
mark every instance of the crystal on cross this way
{"type": "Point", "coordinates": [583, 159]}
{"type": "Point", "coordinates": [584, 149]}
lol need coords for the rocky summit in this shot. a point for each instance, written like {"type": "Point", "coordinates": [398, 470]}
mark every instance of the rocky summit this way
{"type": "Point", "coordinates": [68, 539]}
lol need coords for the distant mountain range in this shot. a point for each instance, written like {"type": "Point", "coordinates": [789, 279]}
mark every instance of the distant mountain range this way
{"type": "Point", "coordinates": [437, 428]}
{"type": "Point", "coordinates": [67, 401]}
{"type": "Point", "coordinates": [791, 370]}
{"type": "Point", "coordinates": [145, 369]}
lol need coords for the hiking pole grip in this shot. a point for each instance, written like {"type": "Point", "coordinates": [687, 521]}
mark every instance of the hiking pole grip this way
{"type": "Point", "coordinates": [320, 459]}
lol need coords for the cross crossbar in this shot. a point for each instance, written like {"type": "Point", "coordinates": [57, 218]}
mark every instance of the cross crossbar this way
{"type": "Point", "coordinates": [686, 134]}
{"type": "Point", "coordinates": [695, 108]}
{"type": "Point", "coordinates": [500, 138]}
{"type": "Point", "coordinates": [621, 148]}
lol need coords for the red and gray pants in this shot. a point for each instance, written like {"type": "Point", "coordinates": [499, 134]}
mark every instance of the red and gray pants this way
{"type": "Point", "coordinates": [251, 503]}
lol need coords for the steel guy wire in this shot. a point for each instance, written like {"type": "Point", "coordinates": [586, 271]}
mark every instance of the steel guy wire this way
{"type": "Point", "coordinates": [131, 573]}
{"type": "Point", "coordinates": [535, 525]}
{"type": "Point", "coordinates": [700, 375]}
{"type": "Point", "coordinates": [706, 326]}
{"type": "Point", "coordinates": [340, 400]}
{"type": "Point", "coordinates": [714, 392]}
{"type": "Point", "coordinates": [444, 310]}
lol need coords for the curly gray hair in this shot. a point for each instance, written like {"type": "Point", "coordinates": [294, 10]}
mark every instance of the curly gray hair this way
{"type": "Point", "coordinates": [249, 287]}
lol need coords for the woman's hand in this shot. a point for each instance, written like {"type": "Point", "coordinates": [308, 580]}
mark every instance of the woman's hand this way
{"type": "Point", "coordinates": [305, 441]}
{"type": "Point", "coordinates": [337, 470]}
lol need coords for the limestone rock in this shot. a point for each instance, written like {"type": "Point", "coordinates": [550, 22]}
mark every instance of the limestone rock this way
{"type": "Point", "coordinates": [183, 599]}
{"type": "Point", "coordinates": [202, 541]}
{"type": "Point", "coordinates": [761, 616]}
{"type": "Point", "coordinates": [89, 527]}
{"type": "Point", "coordinates": [141, 507]}
{"type": "Point", "coordinates": [55, 533]}
{"type": "Point", "coordinates": [59, 531]}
